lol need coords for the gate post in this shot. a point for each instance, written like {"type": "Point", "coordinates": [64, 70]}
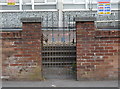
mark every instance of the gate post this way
{"type": "Point", "coordinates": [84, 35]}
{"type": "Point", "coordinates": [32, 47]}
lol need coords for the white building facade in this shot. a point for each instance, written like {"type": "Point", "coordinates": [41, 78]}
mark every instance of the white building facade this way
{"type": "Point", "coordinates": [56, 10]}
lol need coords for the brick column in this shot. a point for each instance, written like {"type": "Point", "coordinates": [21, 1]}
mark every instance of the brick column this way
{"type": "Point", "coordinates": [22, 51]}
{"type": "Point", "coordinates": [97, 51]}
{"type": "Point", "coordinates": [32, 47]}
{"type": "Point", "coordinates": [84, 36]}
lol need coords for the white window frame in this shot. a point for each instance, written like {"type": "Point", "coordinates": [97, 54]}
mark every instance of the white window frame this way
{"type": "Point", "coordinates": [33, 4]}
{"type": "Point", "coordinates": [20, 4]}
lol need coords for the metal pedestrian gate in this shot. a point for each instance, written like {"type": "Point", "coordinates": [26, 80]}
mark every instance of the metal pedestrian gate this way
{"type": "Point", "coordinates": [59, 51]}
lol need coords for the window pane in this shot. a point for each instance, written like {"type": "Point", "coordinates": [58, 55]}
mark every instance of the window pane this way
{"type": "Point", "coordinates": [93, 6]}
{"type": "Point", "coordinates": [16, 1]}
{"type": "Point", "coordinates": [3, 1]}
{"type": "Point", "coordinates": [51, 0]}
{"type": "Point", "coordinates": [79, 1]}
{"type": "Point", "coordinates": [27, 7]}
{"type": "Point", "coordinates": [39, 1]}
{"type": "Point", "coordinates": [82, 6]}
{"type": "Point", "coordinates": [115, 0]}
{"type": "Point", "coordinates": [114, 6]}
{"type": "Point", "coordinates": [94, 0]}
{"type": "Point", "coordinates": [38, 7]}
{"type": "Point", "coordinates": [26, 1]}
{"type": "Point", "coordinates": [5, 7]}
{"type": "Point", "coordinates": [67, 0]}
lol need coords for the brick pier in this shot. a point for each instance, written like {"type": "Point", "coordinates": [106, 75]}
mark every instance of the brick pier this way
{"type": "Point", "coordinates": [97, 51]}
{"type": "Point", "coordinates": [22, 51]}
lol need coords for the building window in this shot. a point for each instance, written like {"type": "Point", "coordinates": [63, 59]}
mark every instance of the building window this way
{"type": "Point", "coordinates": [39, 1]}
{"type": "Point", "coordinates": [114, 6]}
{"type": "Point", "coordinates": [26, 1]}
{"type": "Point", "coordinates": [68, 1]}
{"type": "Point", "coordinates": [93, 6]}
{"type": "Point", "coordinates": [79, 1]}
{"type": "Point", "coordinates": [6, 7]}
{"type": "Point", "coordinates": [38, 7]}
{"type": "Point", "coordinates": [93, 1]}
{"type": "Point", "coordinates": [49, 1]}
{"type": "Point", "coordinates": [74, 6]}
{"type": "Point", "coordinates": [73, 1]}
{"type": "Point", "coordinates": [44, 1]}
{"type": "Point", "coordinates": [3, 1]}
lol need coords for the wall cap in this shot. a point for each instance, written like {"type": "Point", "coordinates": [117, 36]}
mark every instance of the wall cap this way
{"type": "Point", "coordinates": [31, 19]}
{"type": "Point", "coordinates": [85, 19]}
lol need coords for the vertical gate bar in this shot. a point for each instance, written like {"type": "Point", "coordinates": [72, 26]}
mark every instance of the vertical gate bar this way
{"type": "Point", "coordinates": [57, 31]}
{"type": "Point", "coordinates": [69, 29]}
{"type": "Point", "coordinates": [69, 45]}
{"type": "Point", "coordinates": [52, 29]}
{"type": "Point", "coordinates": [47, 47]}
{"type": "Point", "coordinates": [65, 48]}
{"type": "Point", "coordinates": [63, 30]}
{"type": "Point", "coordinates": [58, 35]}
{"type": "Point", "coordinates": [74, 44]}
{"type": "Point", "coordinates": [47, 28]}
{"type": "Point", "coordinates": [57, 59]}
{"type": "Point", "coordinates": [63, 38]}
{"type": "Point", "coordinates": [42, 51]}
{"type": "Point", "coordinates": [73, 31]}
{"type": "Point", "coordinates": [52, 46]}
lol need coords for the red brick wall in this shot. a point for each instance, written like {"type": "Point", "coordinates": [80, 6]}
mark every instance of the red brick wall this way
{"type": "Point", "coordinates": [22, 53]}
{"type": "Point", "coordinates": [8, 52]}
{"type": "Point", "coordinates": [97, 52]}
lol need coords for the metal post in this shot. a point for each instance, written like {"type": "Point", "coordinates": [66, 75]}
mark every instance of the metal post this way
{"type": "Point", "coordinates": [47, 29]}
{"type": "Point", "coordinates": [52, 29]}
{"type": "Point", "coordinates": [69, 29]}
{"type": "Point", "coordinates": [73, 41]}
{"type": "Point", "coordinates": [63, 30]}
